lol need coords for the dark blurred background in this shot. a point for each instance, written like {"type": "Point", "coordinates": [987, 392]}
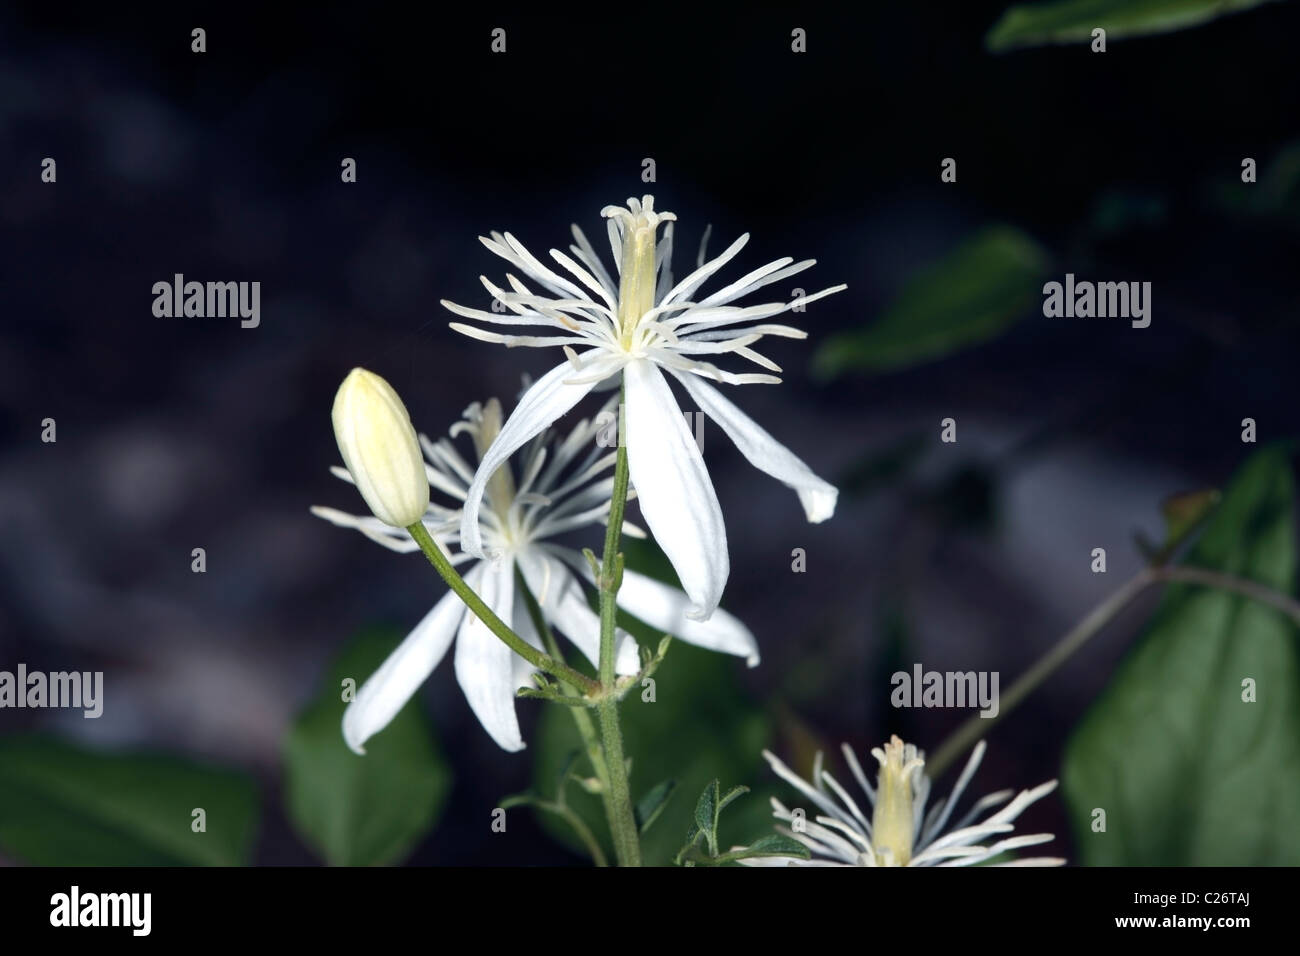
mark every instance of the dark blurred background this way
{"type": "Point", "coordinates": [182, 433]}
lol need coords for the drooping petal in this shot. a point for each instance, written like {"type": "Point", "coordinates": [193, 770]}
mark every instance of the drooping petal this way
{"type": "Point", "coordinates": [485, 665]}
{"type": "Point", "coordinates": [388, 689]}
{"type": "Point", "coordinates": [543, 403]}
{"type": "Point", "coordinates": [564, 605]}
{"type": "Point", "coordinates": [664, 608]}
{"type": "Point", "coordinates": [673, 486]}
{"type": "Point", "coordinates": [763, 451]}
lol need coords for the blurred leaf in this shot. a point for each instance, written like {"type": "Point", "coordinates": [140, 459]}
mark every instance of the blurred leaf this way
{"type": "Point", "coordinates": [652, 804]}
{"type": "Point", "coordinates": [700, 726]}
{"type": "Point", "coordinates": [1071, 21]}
{"type": "Point", "coordinates": [968, 297]}
{"type": "Point", "coordinates": [362, 810]}
{"type": "Point", "coordinates": [1188, 773]}
{"type": "Point", "coordinates": [61, 805]}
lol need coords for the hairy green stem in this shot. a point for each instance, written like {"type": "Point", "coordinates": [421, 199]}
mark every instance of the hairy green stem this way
{"type": "Point", "coordinates": [581, 718]}
{"type": "Point", "coordinates": [969, 733]}
{"type": "Point", "coordinates": [485, 614]}
{"type": "Point", "coordinates": [618, 796]}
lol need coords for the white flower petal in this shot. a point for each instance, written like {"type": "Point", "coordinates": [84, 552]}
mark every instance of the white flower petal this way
{"type": "Point", "coordinates": [564, 605]}
{"type": "Point", "coordinates": [485, 665]}
{"type": "Point", "coordinates": [523, 625]}
{"type": "Point", "coordinates": [664, 608]}
{"type": "Point", "coordinates": [677, 498]}
{"type": "Point", "coordinates": [388, 689]}
{"type": "Point", "coordinates": [763, 451]}
{"type": "Point", "coordinates": [543, 403]}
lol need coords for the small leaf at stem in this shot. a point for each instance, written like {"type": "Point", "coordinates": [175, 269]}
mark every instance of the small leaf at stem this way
{"type": "Point", "coordinates": [706, 815]}
{"type": "Point", "coordinates": [652, 804]}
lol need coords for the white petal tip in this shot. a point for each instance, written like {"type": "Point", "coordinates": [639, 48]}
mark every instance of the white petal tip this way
{"type": "Point", "coordinates": [357, 746]}
{"type": "Point", "coordinates": [752, 660]}
{"type": "Point", "coordinates": [818, 506]}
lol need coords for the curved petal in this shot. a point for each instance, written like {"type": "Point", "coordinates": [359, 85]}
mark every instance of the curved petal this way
{"type": "Point", "coordinates": [664, 608]}
{"type": "Point", "coordinates": [763, 451]}
{"type": "Point", "coordinates": [543, 403]}
{"type": "Point", "coordinates": [484, 665]}
{"type": "Point", "coordinates": [388, 689]}
{"type": "Point", "coordinates": [564, 605]}
{"type": "Point", "coordinates": [673, 486]}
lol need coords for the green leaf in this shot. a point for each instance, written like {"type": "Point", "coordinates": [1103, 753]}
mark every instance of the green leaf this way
{"type": "Point", "coordinates": [970, 296]}
{"type": "Point", "coordinates": [61, 805]}
{"type": "Point", "coordinates": [1071, 21]}
{"type": "Point", "coordinates": [1187, 772]}
{"type": "Point", "coordinates": [362, 810]}
{"type": "Point", "coordinates": [774, 844]}
{"type": "Point", "coordinates": [653, 803]}
{"type": "Point", "coordinates": [706, 816]}
{"type": "Point", "coordinates": [730, 796]}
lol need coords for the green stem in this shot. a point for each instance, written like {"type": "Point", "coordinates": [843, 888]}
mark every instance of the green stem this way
{"type": "Point", "coordinates": [567, 814]}
{"type": "Point", "coordinates": [582, 830]}
{"type": "Point", "coordinates": [970, 732]}
{"type": "Point", "coordinates": [586, 726]}
{"type": "Point", "coordinates": [495, 624]}
{"type": "Point", "coordinates": [618, 796]}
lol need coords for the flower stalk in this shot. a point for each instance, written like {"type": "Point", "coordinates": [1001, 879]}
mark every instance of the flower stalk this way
{"type": "Point", "coordinates": [494, 624]}
{"type": "Point", "coordinates": [617, 795]}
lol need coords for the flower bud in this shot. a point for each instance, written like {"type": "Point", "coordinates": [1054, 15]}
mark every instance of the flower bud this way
{"type": "Point", "coordinates": [379, 447]}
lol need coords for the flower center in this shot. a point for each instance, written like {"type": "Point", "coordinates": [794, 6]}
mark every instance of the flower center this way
{"type": "Point", "coordinates": [501, 486]}
{"type": "Point", "coordinates": [892, 823]}
{"type": "Point", "coordinates": [637, 273]}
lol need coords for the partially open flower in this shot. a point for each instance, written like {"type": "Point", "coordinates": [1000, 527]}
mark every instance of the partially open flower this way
{"type": "Point", "coordinates": [560, 484]}
{"type": "Point", "coordinates": [379, 447]}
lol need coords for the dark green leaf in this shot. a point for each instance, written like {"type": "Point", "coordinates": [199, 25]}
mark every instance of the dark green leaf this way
{"type": "Point", "coordinates": [970, 296]}
{"type": "Point", "coordinates": [706, 815]}
{"type": "Point", "coordinates": [61, 805]}
{"type": "Point", "coordinates": [774, 844]}
{"type": "Point", "coordinates": [653, 803]}
{"type": "Point", "coordinates": [1072, 21]}
{"type": "Point", "coordinates": [362, 810]}
{"type": "Point", "coordinates": [1187, 772]}
{"type": "Point", "coordinates": [730, 796]}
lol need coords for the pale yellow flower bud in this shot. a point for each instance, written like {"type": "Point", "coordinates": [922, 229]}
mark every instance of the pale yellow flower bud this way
{"type": "Point", "coordinates": [380, 449]}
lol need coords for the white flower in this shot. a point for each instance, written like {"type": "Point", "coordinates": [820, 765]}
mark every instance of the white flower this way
{"type": "Point", "coordinates": [378, 445]}
{"type": "Point", "coordinates": [900, 833]}
{"type": "Point", "coordinates": [563, 485]}
{"type": "Point", "coordinates": [641, 326]}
